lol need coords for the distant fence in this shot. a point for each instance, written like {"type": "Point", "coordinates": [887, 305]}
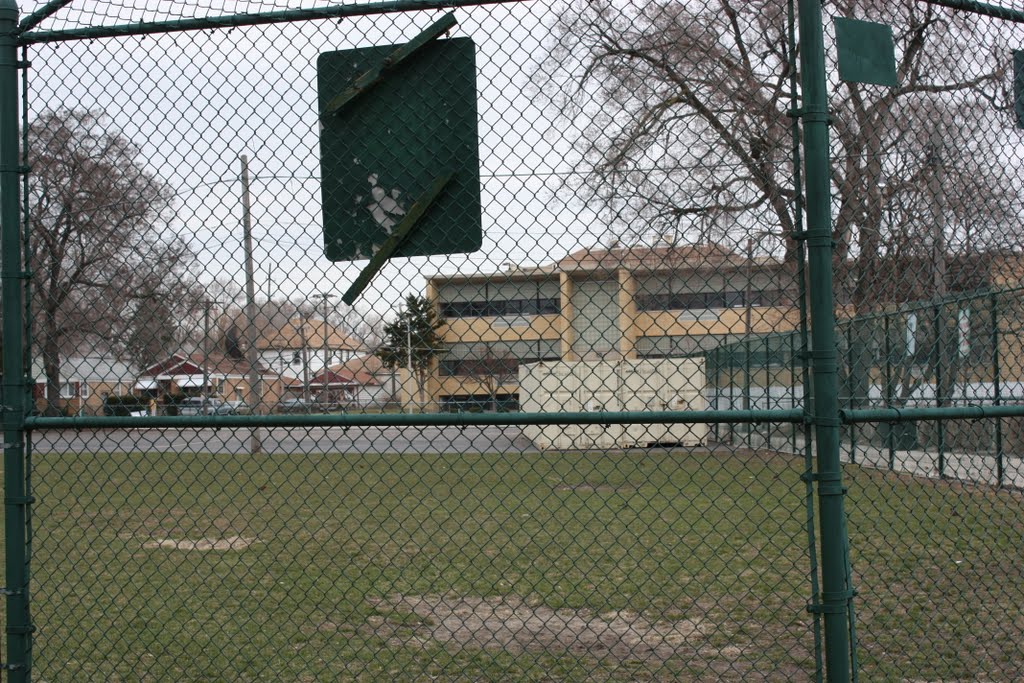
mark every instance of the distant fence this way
{"type": "Point", "coordinates": [959, 351]}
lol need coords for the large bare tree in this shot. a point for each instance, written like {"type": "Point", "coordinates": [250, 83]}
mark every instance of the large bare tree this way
{"type": "Point", "coordinates": [682, 109]}
{"type": "Point", "coordinates": [107, 273]}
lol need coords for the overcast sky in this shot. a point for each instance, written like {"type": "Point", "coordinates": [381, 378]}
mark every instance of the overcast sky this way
{"type": "Point", "coordinates": [194, 101]}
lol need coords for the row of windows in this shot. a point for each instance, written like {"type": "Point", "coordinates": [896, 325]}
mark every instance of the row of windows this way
{"type": "Point", "coordinates": [683, 301]}
{"type": "Point", "coordinates": [501, 368]}
{"type": "Point", "coordinates": [511, 307]}
{"type": "Point", "coordinates": [648, 302]}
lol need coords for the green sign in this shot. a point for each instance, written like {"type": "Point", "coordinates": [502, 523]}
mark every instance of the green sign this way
{"type": "Point", "coordinates": [399, 157]}
{"type": "Point", "coordinates": [867, 53]}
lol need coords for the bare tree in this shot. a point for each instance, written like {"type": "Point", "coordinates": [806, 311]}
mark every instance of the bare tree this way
{"type": "Point", "coordinates": [159, 317]}
{"type": "Point", "coordinates": [685, 135]}
{"type": "Point", "coordinates": [363, 325]}
{"type": "Point", "coordinates": [494, 368]}
{"type": "Point", "coordinates": [682, 110]}
{"type": "Point", "coordinates": [99, 253]}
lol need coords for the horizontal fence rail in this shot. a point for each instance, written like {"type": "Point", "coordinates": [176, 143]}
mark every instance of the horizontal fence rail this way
{"type": "Point", "coordinates": [421, 420]}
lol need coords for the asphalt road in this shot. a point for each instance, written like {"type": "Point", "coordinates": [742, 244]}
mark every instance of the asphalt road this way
{"type": "Point", "coordinates": [287, 440]}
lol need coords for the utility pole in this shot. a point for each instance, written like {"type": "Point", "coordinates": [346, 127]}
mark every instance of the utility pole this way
{"type": "Point", "coordinates": [270, 280]}
{"type": "Point", "coordinates": [325, 297]}
{"type": "Point", "coordinates": [255, 381]}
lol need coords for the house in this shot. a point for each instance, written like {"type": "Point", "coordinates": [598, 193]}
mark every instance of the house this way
{"type": "Point", "coordinates": [213, 375]}
{"type": "Point", "coordinates": [360, 382]}
{"type": "Point", "coordinates": [85, 382]}
{"type": "Point", "coordinates": [374, 384]}
{"type": "Point", "coordinates": [331, 387]}
{"type": "Point", "coordinates": [638, 302]}
{"type": "Point", "coordinates": [377, 384]}
{"type": "Point", "coordinates": [304, 347]}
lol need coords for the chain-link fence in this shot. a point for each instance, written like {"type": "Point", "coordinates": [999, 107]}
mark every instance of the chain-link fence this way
{"type": "Point", "coordinates": [473, 341]}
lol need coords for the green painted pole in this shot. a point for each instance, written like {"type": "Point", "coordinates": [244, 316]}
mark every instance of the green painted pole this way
{"type": "Point", "coordinates": [16, 498]}
{"type": "Point", "coordinates": [851, 379]}
{"type": "Point", "coordinates": [939, 379]}
{"type": "Point", "coordinates": [834, 602]}
{"type": "Point", "coordinates": [890, 437]}
{"type": "Point", "coordinates": [747, 385]}
{"type": "Point", "coordinates": [225, 21]}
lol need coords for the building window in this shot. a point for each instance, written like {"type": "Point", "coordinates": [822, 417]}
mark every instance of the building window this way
{"type": "Point", "coordinates": [685, 301]}
{"type": "Point", "coordinates": [68, 389]}
{"type": "Point", "coordinates": [296, 358]}
{"type": "Point", "coordinates": [494, 309]}
{"type": "Point", "coordinates": [495, 359]}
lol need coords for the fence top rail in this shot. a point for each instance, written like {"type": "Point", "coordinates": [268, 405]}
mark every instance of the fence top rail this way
{"type": "Point", "coordinates": [983, 8]}
{"type": "Point", "coordinates": [251, 19]}
{"type": "Point", "coordinates": [420, 419]}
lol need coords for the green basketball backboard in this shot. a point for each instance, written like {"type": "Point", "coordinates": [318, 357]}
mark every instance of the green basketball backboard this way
{"type": "Point", "coordinates": [399, 149]}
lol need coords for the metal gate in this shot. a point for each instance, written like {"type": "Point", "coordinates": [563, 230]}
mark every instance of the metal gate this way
{"type": "Point", "coordinates": [284, 283]}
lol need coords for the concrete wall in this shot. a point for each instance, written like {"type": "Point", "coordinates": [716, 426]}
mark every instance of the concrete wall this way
{"type": "Point", "coordinates": [611, 386]}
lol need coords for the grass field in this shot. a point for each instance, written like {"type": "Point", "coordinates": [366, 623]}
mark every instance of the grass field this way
{"type": "Point", "coordinates": [688, 565]}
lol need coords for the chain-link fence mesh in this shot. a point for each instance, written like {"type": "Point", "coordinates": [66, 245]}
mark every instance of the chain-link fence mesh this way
{"type": "Point", "coordinates": [927, 212]}
{"type": "Point", "coordinates": [576, 445]}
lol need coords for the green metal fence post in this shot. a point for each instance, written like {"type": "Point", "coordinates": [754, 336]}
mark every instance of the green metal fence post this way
{"type": "Point", "coordinates": [16, 498]}
{"type": "Point", "coordinates": [836, 590]}
{"type": "Point", "coordinates": [747, 384]}
{"type": "Point", "coordinates": [730, 359]}
{"type": "Point", "coordinates": [939, 378]}
{"type": "Point", "coordinates": [996, 389]}
{"type": "Point", "coordinates": [888, 391]}
{"type": "Point", "coordinates": [851, 379]}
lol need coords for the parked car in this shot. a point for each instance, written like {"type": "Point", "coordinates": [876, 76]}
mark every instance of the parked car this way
{"type": "Point", "coordinates": [239, 407]}
{"type": "Point", "coordinates": [294, 405]}
{"type": "Point", "coordinates": [205, 405]}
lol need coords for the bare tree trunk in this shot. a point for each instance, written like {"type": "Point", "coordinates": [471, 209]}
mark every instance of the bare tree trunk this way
{"type": "Point", "coordinates": [51, 363]}
{"type": "Point", "coordinates": [944, 355]}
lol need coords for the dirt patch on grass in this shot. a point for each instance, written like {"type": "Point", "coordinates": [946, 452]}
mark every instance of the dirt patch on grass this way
{"type": "Point", "coordinates": [226, 543]}
{"type": "Point", "coordinates": [511, 624]}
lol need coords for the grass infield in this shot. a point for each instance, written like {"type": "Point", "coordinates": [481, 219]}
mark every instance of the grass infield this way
{"type": "Point", "coordinates": [661, 565]}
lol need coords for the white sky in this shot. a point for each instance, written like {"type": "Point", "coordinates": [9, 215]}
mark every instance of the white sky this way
{"type": "Point", "coordinates": [195, 101]}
